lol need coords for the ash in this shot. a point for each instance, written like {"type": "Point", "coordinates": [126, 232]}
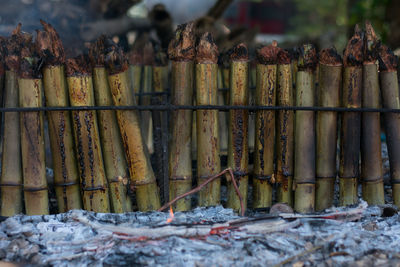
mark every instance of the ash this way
{"type": "Point", "coordinates": [63, 240]}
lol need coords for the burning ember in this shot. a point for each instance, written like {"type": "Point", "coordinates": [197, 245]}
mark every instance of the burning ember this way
{"type": "Point", "coordinates": [171, 215]}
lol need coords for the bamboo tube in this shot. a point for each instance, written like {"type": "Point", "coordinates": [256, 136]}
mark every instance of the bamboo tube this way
{"type": "Point", "coordinates": [135, 71]}
{"type": "Point", "coordinates": [304, 148]}
{"type": "Point", "coordinates": [160, 123]}
{"type": "Point", "coordinates": [238, 125]}
{"type": "Point", "coordinates": [181, 52]}
{"type": "Point", "coordinates": [66, 176]}
{"type": "Point", "coordinates": [351, 121]}
{"type": "Point", "coordinates": [330, 81]}
{"type": "Point", "coordinates": [11, 167]}
{"type": "Point", "coordinates": [251, 102]}
{"type": "Point", "coordinates": [87, 140]}
{"type": "Point", "coordinates": [265, 126]}
{"type": "Point", "coordinates": [111, 143]}
{"type": "Point", "coordinates": [295, 54]}
{"type": "Point", "coordinates": [141, 172]}
{"type": "Point", "coordinates": [391, 99]}
{"type": "Point", "coordinates": [285, 131]}
{"type": "Point", "coordinates": [208, 159]}
{"type": "Point", "coordinates": [371, 155]}
{"type": "Point", "coordinates": [147, 122]}
{"type": "Point", "coordinates": [32, 133]}
{"type": "Point", "coordinates": [222, 100]}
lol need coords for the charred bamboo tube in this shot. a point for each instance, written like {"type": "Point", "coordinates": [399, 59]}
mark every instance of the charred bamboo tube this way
{"type": "Point", "coordinates": [285, 131]}
{"type": "Point", "coordinates": [141, 172]}
{"type": "Point", "coordinates": [304, 149]}
{"type": "Point", "coordinates": [208, 159]}
{"type": "Point", "coordinates": [147, 122]}
{"type": "Point", "coordinates": [111, 143]}
{"type": "Point", "coordinates": [238, 153]}
{"type": "Point", "coordinates": [87, 140]}
{"type": "Point", "coordinates": [391, 99]}
{"type": "Point", "coordinates": [11, 167]}
{"type": "Point", "coordinates": [265, 126]}
{"type": "Point", "coordinates": [351, 121]}
{"type": "Point", "coordinates": [371, 155]}
{"type": "Point", "coordinates": [32, 134]}
{"type": "Point", "coordinates": [160, 123]}
{"type": "Point", "coordinates": [181, 51]}
{"type": "Point", "coordinates": [330, 81]}
{"type": "Point", "coordinates": [66, 176]}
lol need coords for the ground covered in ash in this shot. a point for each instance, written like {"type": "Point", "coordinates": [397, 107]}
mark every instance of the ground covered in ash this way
{"type": "Point", "coordinates": [63, 240]}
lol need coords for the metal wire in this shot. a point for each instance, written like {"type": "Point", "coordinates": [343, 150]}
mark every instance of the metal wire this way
{"type": "Point", "coordinates": [170, 107]}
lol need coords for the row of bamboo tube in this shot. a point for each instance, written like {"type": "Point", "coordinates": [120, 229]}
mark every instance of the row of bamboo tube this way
{"type": "Point", "coordinates": [98, 156]}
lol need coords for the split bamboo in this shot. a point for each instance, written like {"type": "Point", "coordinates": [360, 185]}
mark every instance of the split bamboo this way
{"type": "Point", "coordinates": [238, 153]}
{"type": "Point", "coordinates": [330, 81]}
{"type": "Point", "coordinates": [285, 131]}
{"type": "Point", "coordinates": [351, 121]}
{"type": "Point", "coordinates": [304, 149]}
{"type": "Point", "coordinates": [147, 122]}
{"type": "Point", "coordinates": [111, 143]}
{"type": "Point", "coordinates": [87, 140]}
{"type": "Point", "coordinates": [141, 173]}
{"type": "Point", "coordinates": [66, 175]}
{"type": "Point", "coordinates": [181, 51]}
{"type": "Point", "coordinates": [265, 95]}
{"type": "Point", "coordinates": [371, 155]}
{"type": "Point", "coordinates": [390, 98]}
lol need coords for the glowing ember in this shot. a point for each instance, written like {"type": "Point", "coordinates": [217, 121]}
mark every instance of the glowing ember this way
{"type": "Point", "coordinates": [171, 215]}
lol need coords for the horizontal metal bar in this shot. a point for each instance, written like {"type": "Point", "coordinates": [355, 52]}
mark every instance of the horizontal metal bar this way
{"type": "Point", "coordinates": [169, 107]}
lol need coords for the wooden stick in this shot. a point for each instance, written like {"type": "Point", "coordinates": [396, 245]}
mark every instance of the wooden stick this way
{"type": "Point", "coordinates": [285, 131]}
{"type": "Point", "coordinates": [304, 149]}
{"type": "Point", "coordinates": [11, 167]}
{"type": "Point", "coordinates": [87, 138]}
{"type": "Point", "coordinates": [111, 143]}
{"type": "Point", "coordinates": [330, 81]}
{"type": "Point", "coordinates": [66, 175]}
{"type": "Point", "coordinates": [32, 133]}
{"type": "Point", "coordinates": [391, 99]}
{"type": "Point", "coordinates": [208, 158]}
{"type": "Point", "coordinates": [351, 121]}
{"type": "Point", "coordinates": [181, 52]}
{"type": "Point", "coordinates": [207, 181]}
{"type": "Point", "coordinates": [141, 171]}
{"type": "Point", "coordinates": [238, 125]}
{"type": "Point", "coordinates": [265, 126]}
{"type": "Point", "coordinates": [371, 156]}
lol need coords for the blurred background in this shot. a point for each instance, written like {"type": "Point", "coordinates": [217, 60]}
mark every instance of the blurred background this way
{"type": "Point", "coordinates": [322, 22]}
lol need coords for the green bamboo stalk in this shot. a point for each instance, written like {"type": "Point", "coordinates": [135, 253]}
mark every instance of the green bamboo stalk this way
{"type": "Point", "coordinates": [265, 95]}
{"type": "Point", "coordinates": [371, 155]}
{"type": "Point", "coordinates": [304, 149]}
{"type": "Point", "coordinates": [87, 139]}
{"type": "Point", "coordinates": [181, 52]}
{"type": "Point", "coordinates": [330, 80]}
{"type": "Point", "coordinates": [238, 125]}
{"type": "Point", "coordinates": [285, 131]}
{"type": "Point", "coordinates": [32, 134]}
{"type": "Point", "coordinates": [208, 159]}
{"type": "Point", "coordinates": [351, 121]}
{"type": "Point", "coordinates": [391, 99]}
{"type": "Point", "coordinates": [141, 172]}
{"type": "Point", "coordinates": [11, 167]}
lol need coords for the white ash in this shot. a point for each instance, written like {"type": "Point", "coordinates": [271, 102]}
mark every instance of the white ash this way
{"type": "Point", "coordinates": [60, 240]}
